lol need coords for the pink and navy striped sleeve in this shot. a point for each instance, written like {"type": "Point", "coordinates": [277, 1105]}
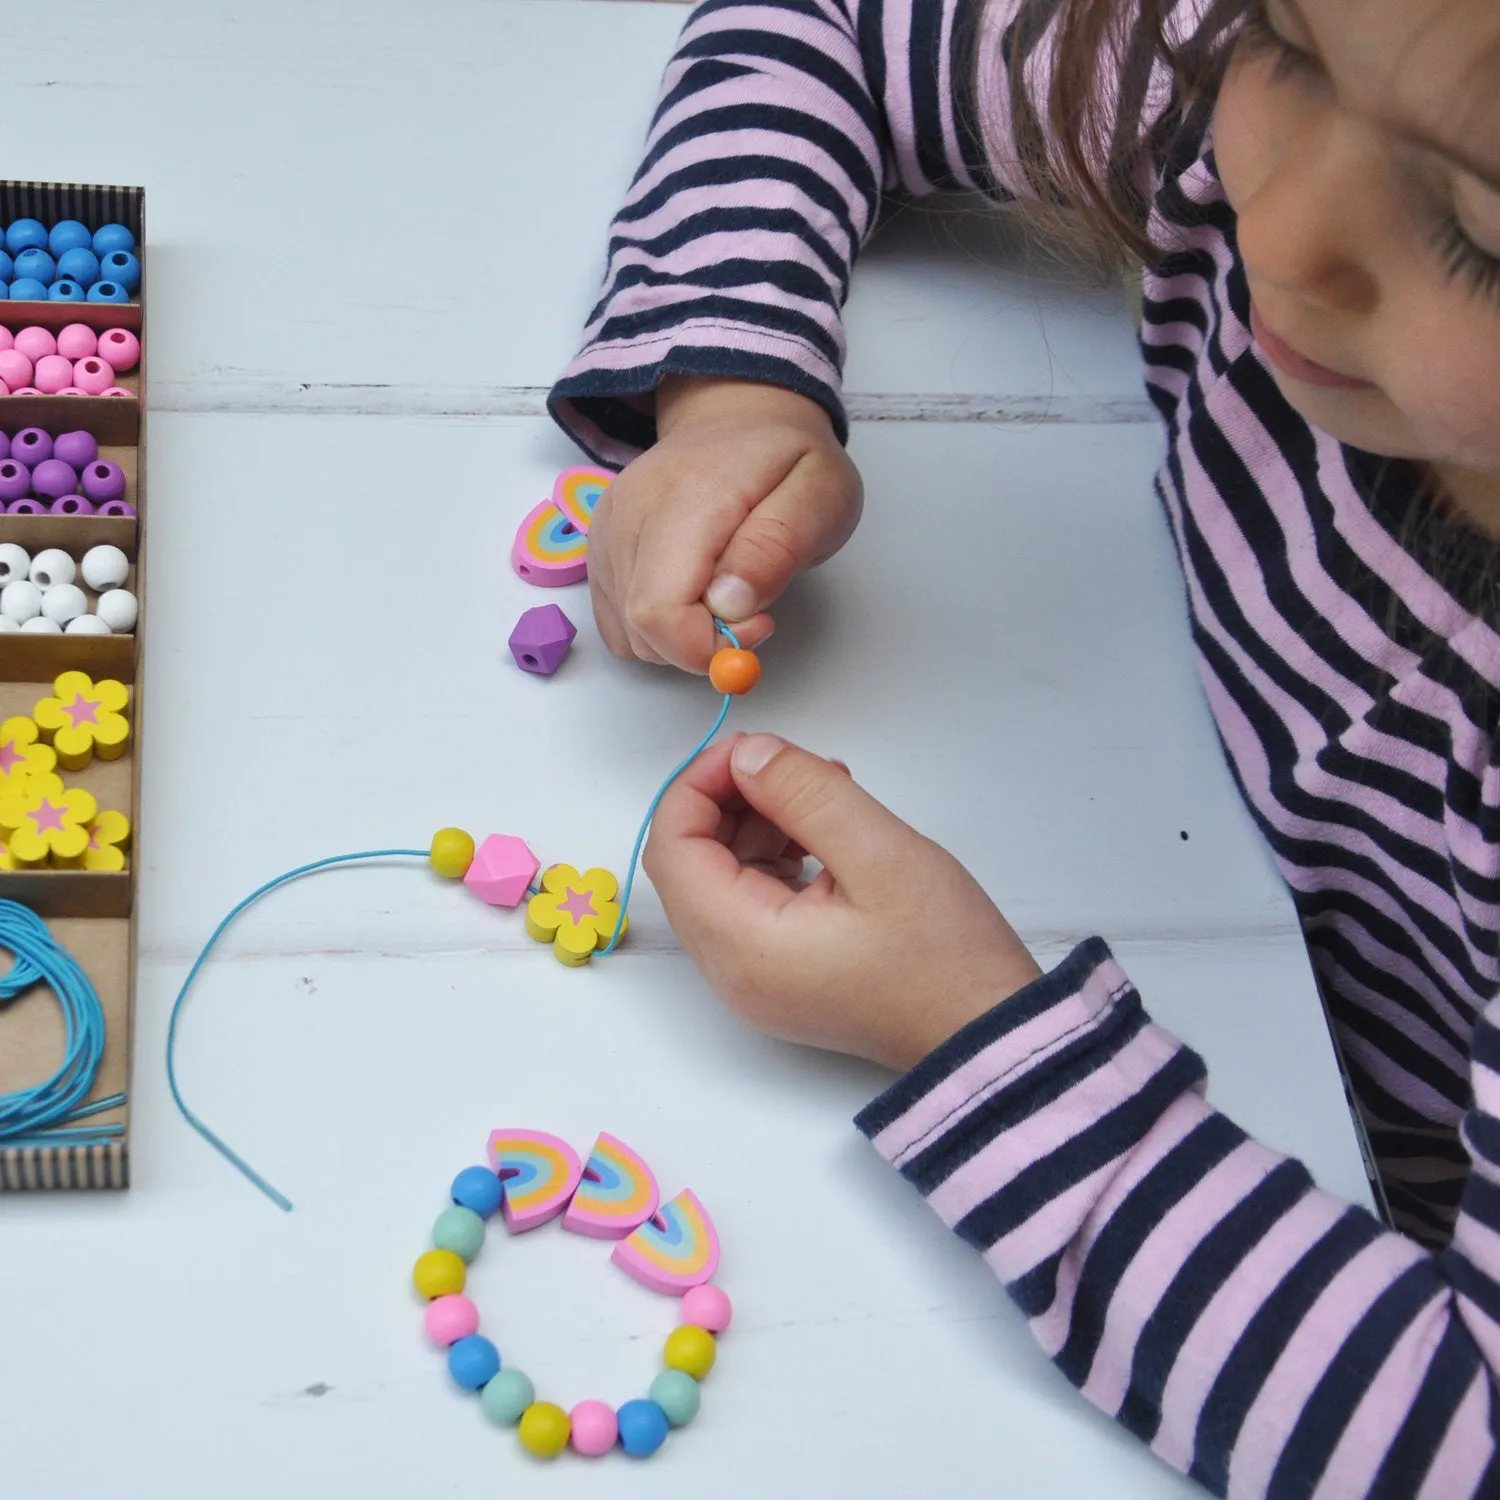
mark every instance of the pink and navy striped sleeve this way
{"type": "Point", "coordinates": [1258, 1333]}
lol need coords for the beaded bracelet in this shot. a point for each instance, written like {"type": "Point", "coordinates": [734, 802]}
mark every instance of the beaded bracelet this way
{"type": "Point", "coordinates": [672, 1248]}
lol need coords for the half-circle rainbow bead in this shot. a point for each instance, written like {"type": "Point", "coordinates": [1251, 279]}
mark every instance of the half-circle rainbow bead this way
{"type": "Point", "coordinates": [577, 492]}
{"type": "Point", "coordinates": [538, 1172]}
{"type": "Point", "coordinates": [618, 1192]}
{"type": "Point", "coordinates": [549, 549]}
{"type": "Point", "coordinates": [676, 1249]}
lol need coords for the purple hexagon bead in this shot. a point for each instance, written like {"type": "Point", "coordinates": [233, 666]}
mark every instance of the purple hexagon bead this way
{"type": "Point", "coordinates": [117, 508]}
{"type": "Point", "coordinates": [15, 480]}
{"type": "Point", "coordinates": [52, 479]}
{"type": "Point", "coordinates": [542, 639]}
{"type": "Point", "coordinates": [26, 507]}
{"type": "Point", "coordinates": [76, 448]}
{"type": "Point", "coordinates": [104, 480]}
{"type": "Point", "coordinates": [72, 505]}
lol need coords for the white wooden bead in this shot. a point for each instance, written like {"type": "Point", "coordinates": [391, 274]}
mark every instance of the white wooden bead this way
{"type": "Point", "coordinates": [20, 601]}
{"type": "Point", "coordinates": [64, 602]}
{"type": "Point", "coordinates": [15, 562]}
{"type": "Point", "coordinates": [87, 625]}
{"type": "Point", "coordinates": [41, 625]}
{"type": "Point", "coordinates": [9, 626]}
{"type": "Point", "coordinates": [52, 568]}
{"type": "Point", "coordinates": [105, 568]}
{"type": "Point", "coordinates": [118, 609]}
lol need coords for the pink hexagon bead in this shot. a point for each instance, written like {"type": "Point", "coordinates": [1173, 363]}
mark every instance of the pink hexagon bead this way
{"type": "Point", "coordinates": [502, 870]}
{"type": "Point", "coordinates": [707, 1307]}
{"type": "Point", "coordinates": [77, 341]}
{"type": "Point", "coordinates": [120, 347]}
{"type": "Point", "coordinates": [542, 638]}
{"type": "Point", "coordinates": [595, 1428]}
{"type": "Point", "coordinates": [450, 1319]}
{"type": "Point", "coordinates": [15, 369]}
{"type": "Point", "coordinates": [93, 375]}
{"type": "Point", "coordinates": [53, 374]}
{"type": "Point", "coordinates": [35, 343]}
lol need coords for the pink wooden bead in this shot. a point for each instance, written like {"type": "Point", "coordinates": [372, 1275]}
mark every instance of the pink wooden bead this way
{"type": "Point", "coordinates": [34, 342]}
{"type": "Point", "coordinates": [26, 390]}
{"type": "Point", "coordinates": [450, 1319]}
{"type": "Point", "coordinates": [15, 369]}
{"type": "Point", "coordinates": [117, 390]}
{"type": "Point", "coordinates": [73, 390]}
{"type": "Point", "coordinates": [7, 339]}
{"type": "Point", "coordinates": [120, 347]}
{"type": "Point", "coordinates": [53, 373]}
{"type": "Point", "coordinates": [707, 1307]}
{"type": "Point", "coordinates": [595, 1428]}
{"type": "Point", "coordinates": [93, 375]}
{"type": "Point", "coordinates": [77, 341]}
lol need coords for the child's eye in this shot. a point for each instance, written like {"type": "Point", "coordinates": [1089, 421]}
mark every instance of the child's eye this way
{"type": "Point", "coordinates": [1462, 257]}
{"type": "Point", "coordinates": [1288, 60]}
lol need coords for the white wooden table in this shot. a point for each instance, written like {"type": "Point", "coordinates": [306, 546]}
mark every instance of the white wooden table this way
{"type": "Point", "coordinates": [374, 231]}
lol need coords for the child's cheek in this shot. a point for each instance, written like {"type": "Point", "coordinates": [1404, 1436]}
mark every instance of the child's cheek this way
{"type": "Point", "coordinates": [1242, 125]}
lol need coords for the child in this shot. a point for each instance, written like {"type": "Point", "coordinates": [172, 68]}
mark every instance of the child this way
{"type": "Point", "coordinates": [1315, 188]}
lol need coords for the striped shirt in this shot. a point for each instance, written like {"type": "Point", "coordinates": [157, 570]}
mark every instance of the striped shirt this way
{"type": "Point", "coordinates": [1258, 1333]}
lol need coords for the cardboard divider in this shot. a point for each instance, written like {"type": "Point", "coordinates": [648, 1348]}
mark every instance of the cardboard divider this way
{"type": "Point", "coordinates": [90, 914]}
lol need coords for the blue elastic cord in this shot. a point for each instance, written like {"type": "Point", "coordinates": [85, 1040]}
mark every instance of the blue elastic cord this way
{"type": "Point", "coordinates": [640, 838]}
{"type": "Point", "coordinates": [44, 1115]}
{"type": "Point", "coordinates": [279, 1199]}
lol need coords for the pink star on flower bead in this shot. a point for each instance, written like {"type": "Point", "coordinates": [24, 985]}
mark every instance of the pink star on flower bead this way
{"type": "Point", "coordinates": [502, 870]}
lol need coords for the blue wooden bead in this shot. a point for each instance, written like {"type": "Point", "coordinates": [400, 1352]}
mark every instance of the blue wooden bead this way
{"type": "Point", "coordinates": [112, 237]}
{"type": "Point", "coordinates": [4, 292]}
{"type": "Point", "coordinates": [123, 267]}
{"type": "Point", "coordinates": [7, 267]}
{"type": "Point", "coordinates": [474, 1361]}
{"type": "Point", "coordinates": [79, 264]}
{"type": "Point", "coordinates": [23, 289]}
{"type": "Point", "coordinates": [66, 290]}
{"type": "Point", "coordinates": [507, 1396]}
{"type": "Point", "coordinates": [36, 263]}
{"type": "Point", "coordinates": [677, 1393]}
{"type": "Point", "coordinates": [643, 1428]}
{"type": "Point", "coordinates": [25, 234]}
{"type": "Point", "coordinates": [68, 234]}
{"type": "Point", "coordinates": [108, 291]}
{"type": "Point", "coordinates": [460, 1230]}
{"type": "Point", "coordinates": [479, 1189]}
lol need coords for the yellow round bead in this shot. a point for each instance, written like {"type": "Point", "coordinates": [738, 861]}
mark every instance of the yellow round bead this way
{"type": "Point", "coordinates": [438, 1273]}
{"type": "Point", "coordinates": [690, 1350]}
{"type": "Point", "coordinates": [544, 1429]}
{"type": "Point", "coordinates": [452, 853]}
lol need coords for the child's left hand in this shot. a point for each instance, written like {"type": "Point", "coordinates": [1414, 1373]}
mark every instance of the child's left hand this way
{"type": "Point", "coordinates": [890, 950]}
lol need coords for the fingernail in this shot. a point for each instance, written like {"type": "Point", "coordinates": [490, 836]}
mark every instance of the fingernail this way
{"type": "Point", "coordinates": [730, 598]}
{"type": "Point", "coordinates": [751, 754]}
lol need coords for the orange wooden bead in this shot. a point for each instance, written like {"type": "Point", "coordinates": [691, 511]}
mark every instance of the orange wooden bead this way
{"type": "Point", "coordinates": [733, 670]}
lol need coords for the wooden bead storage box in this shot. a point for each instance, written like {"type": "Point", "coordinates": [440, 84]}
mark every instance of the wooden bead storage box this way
{"type": "Point", "coordinates": [89, 909]}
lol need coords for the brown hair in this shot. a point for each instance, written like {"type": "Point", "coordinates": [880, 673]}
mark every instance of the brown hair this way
{"type": "Point", "coordinates": [1084, 148]}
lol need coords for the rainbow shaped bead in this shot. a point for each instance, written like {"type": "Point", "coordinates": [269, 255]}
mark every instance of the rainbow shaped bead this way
{"type": "Point", "coordinates": [675, 1250]}
{"type": "Point", "coordinates": [577, 492]}
{"type": "Point", "coordinates": [539, 1173]}
{"type": "Point", "coordinates": [549, 549]}
{"type": "Point", "coordinates": [618, 1192]}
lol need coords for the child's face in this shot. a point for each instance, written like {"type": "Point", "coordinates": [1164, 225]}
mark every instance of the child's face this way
{"type": "Point", "coordinates": [1359, 144]}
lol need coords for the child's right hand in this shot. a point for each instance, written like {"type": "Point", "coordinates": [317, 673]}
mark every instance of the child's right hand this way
{"type": "Point", "coordinates": [746, 486]}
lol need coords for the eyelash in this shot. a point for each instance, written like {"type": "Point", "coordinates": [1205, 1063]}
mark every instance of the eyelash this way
{"type": "Point", "coordinates": [1456, 252]}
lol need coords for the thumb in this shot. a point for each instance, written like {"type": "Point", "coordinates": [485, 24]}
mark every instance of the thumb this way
{"type": "Point", "coordinates": [817, 803]}
{"type": "Point", "coordinates": [789, 531]}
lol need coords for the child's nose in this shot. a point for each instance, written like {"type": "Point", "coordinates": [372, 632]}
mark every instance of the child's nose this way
{"type": "Point", "coordinates": [1308, 228]}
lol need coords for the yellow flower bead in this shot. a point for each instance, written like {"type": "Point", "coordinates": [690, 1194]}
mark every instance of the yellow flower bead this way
{"type": "Point", "coordinates": [691, 1350]}
{"type": "Point", "coordinates": [22, 755]}
{"type": "Point", "coordinates": [84, 718]}
{"type": "Point", "coordinates": [46, 821]}
{"type": "Point", "coordinates": [439, 1273]}
{"type": "Point", "coordinates": [544, 1429]}
{"type": "Point", "coordinates": [452, 853]}
{"type": "Point", "coordinates": [575, 912]}
{"type": "Point", "coordinates": [109, 836]}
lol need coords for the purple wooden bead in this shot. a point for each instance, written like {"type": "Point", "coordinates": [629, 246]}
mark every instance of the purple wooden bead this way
{"type": "Point", "coordinates": [77, 448]}
{"type": "Point", "coordinates": [541, 639]}
{"type": "Point", "coordinates": [103, 480]}
{"type": "Point", "coordinates": [52, 479]}
{"type": "Point", "coordinates": [117, 508]}
{"type": "Point", "coordinates": [15, 480]}
{"type": "Point", "coordinates": [4, 446]}
{"type": "Point", "coordinates": [26, 508]}
{"type": "Point", "coordinates": [31, 445]}
{"type": "Point", "coordinates": [72, 505]}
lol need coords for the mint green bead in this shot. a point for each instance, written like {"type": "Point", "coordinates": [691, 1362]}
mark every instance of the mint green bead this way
{"type": "Point", "coordinates": [677, 1393]}
{"type": "Point", "coordinates": [506, 1396]}
{"type": "Point", "coordinates": [460, 1230]}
